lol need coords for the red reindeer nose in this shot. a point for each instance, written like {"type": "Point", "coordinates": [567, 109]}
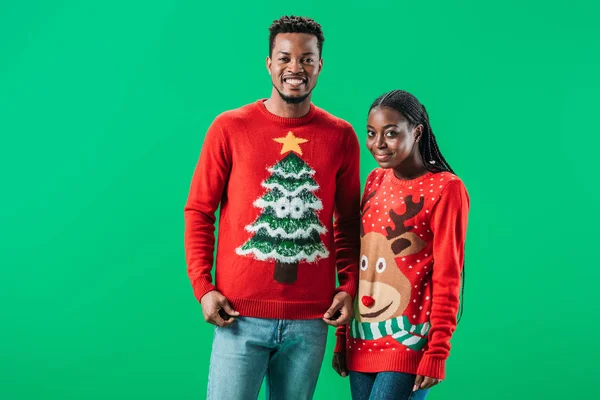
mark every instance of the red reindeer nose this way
{"type": "Point", "coordinates": [368, 301]}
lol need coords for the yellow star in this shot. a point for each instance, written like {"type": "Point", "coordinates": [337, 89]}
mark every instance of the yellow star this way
{"type": "Point", "coordinates": [291, 143]}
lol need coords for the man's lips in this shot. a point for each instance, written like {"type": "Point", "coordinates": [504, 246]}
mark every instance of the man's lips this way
{"type": "Point", "coordinates": [294, 81]}
{"type": "Point", "coordinates": [376, 313]}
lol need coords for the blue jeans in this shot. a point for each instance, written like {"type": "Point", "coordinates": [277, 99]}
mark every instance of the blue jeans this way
{"type": "Point", "coordinates": [289, 353]}
{"type": "Point", "coordinates": [384, 385]}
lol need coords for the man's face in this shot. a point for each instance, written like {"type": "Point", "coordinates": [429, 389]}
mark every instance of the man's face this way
{"type": "Point", "coordinates": [294, 65]}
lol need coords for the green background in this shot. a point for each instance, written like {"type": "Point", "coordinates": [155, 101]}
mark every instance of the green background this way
{"type": "Point", "coordinates": [103, 108]}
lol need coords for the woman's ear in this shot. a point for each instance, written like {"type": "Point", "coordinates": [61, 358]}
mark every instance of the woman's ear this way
{"type": "Point", "coordinates": [418, 132]}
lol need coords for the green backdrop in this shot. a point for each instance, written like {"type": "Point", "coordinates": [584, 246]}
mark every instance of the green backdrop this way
{"type": "Point", "coordinates": [103, 108]}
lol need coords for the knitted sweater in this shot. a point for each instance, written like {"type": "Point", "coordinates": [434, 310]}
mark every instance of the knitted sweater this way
{"type": "Point", "coordinates": [412, 252]}
{"type": "Point", "coordinates": [279, 182]}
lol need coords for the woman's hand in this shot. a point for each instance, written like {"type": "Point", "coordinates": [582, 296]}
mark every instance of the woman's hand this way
{"type": "Point", "coordinates": [339, 364]}
{"type": "Point", "coordinates": [425, 382]}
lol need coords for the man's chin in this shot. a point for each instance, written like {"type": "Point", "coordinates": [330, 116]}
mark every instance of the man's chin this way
{"type": "Point", "coordinates": [293, 98]}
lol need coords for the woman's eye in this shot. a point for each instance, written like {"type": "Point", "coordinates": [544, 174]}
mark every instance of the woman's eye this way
{"type": "Point", "coordinates": [391, 134]}
{"type": "Point", "coordinates": [370, 134]}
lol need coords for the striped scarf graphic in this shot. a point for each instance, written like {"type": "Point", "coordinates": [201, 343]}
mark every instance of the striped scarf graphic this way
{"type": "Point", "coordinates": [398, 328]}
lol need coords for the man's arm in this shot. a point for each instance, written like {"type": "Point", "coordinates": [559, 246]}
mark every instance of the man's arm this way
{"type": "Point", "coordinates": [346, 232]}
{"type": "Point", "coordinates": [208, 183]}
{"type": "Point", "coordinates": [347, 217]}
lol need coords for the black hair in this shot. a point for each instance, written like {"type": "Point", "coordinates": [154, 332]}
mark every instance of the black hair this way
{"type": "Point", "coordinates": [415, 112]}
{"type": "Point", "coordinates": [293, 24]}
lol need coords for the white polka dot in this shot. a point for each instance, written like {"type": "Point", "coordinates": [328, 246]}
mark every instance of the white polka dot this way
{"type": "Point", "coordinates": [427, 211]}
{"type": "Point", "coordinates": [350, 347]}
{"type": "Point", "coordinates": [407, 349]}
{"type": "Point", "coordinates": [374, 344]}
{"type": "Point", "coordinates": [427, 298]}
{"type": "Point", "coordinates": [387, 343]}
{"type": "Point", "coordinates": [421, 307]}
{"type": "Point", "coordinates": [394, 348]}
{"type": "Point", "coordinates": [379, 219]}
{"type": "Point", "coordinates": [415, 300]}
{"type": "Point", "coordinates": [418, 260]}
{"type": "Point", "coordinates": [355, 342]}
{"type": "Point", "coordinates": [410, 266]}
{"type": "Point", "coordinates": [425, 284]}
{"type": "Point", "coordinates": [427, 312]}
{"type": "Point", "coordinates": [359, 348]}
{"type": "Point", "coordinates": [420, 183]}
{"type": "Point", "coordinates": [441, 186]}
{"type": "Point", "coordinates": [421, 235]}
{"type": "Point", "coordinates": [431, 191]}
{"type": "Point", "coordinates": [373, 224]}
{"type": "Point", "coordinates": [433, 198]}
{"type": "Point", "coordinates": [419, 292]}
{"type": "Point", "coordinates": [426, 254]}
{"type": "Point", "coordinates": [370, 349]}
{"type": "Point", "coordinates": [381, 349]}
{"type": "Point", "coordinates": [369, 215]}
{"type": "Point", "coordinates": [416, 287]}
{"type": "Point", "coordinates": [418, 273]}
{"type": "Point", "coordinates": [389, 220]}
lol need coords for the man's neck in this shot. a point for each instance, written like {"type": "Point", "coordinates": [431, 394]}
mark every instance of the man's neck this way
{"type": "Point", "coordinates": [276, 105]}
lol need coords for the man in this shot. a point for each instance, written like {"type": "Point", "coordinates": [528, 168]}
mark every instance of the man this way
{"type": "Point", "coordinates": [282, 171]}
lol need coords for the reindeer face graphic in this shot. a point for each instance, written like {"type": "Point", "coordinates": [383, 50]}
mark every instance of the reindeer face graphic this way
{"type": "Point", "coordinates": [384, 291]}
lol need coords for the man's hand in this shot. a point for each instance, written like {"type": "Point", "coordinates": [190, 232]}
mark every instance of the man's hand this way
{"type": "Point", "coordinates": [425, 382]}
{"type": "Point", "coordinates": [339, 364]}
{"type": "Point", "coordinates": [340, 311]}
{"type": "Point", "coordinates": [216, 309]}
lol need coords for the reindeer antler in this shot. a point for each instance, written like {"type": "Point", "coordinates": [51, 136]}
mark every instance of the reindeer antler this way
{"type": "Point", "coordinates": [412, 209]}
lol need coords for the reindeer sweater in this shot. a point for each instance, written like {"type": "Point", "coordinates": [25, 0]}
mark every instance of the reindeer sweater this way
{"type": "Point", "coordinates": [412, 249]}
{"type": "Point", "coordinates": [279, 182]}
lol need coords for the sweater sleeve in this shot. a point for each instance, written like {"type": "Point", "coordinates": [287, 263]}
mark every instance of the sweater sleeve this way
{"type": "Point", "coordinates": [206, 190]}
{"type": "Point", "coordinates": [449, 225]}
{"type": "Point", "coordinates": [347, 216]}
{"type": "Point", "coordinates": [340, 339]}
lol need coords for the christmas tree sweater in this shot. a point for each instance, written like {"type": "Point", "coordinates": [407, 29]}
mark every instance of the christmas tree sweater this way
{"type": "Point", "coordinates": [289, 197]}
{"type": "Point", "coordinates": [412, 251]}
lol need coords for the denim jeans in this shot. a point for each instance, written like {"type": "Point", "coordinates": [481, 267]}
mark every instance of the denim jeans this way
{"type": "Point", "coordinates": [288, 353]}
{"type": "Point", "coordinates": [384, 385]}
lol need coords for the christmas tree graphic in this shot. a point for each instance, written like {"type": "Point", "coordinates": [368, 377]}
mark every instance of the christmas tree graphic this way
{"type": "Point", "coordinates": [288, 229]}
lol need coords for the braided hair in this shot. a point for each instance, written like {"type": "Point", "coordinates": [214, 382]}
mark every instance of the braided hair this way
{"type": "Point", "coordinates": [415, 112]}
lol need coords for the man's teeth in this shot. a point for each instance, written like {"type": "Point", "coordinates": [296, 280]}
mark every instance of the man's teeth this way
{"type": "Point", "coordinates": [294, 81]}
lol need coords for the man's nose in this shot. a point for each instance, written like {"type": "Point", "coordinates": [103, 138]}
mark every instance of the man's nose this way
{"type": "Point", "coordinates": [294, 67]}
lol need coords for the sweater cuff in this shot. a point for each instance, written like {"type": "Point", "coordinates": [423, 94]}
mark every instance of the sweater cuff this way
{"type": "Point", "coordinates": [432, 367]}
{"type": "Point", "coordinates": [201, 287]}
{"type": "Point", "coordinates": [340, 343]}
{"type": "Point", "coordinates": [349, 287]}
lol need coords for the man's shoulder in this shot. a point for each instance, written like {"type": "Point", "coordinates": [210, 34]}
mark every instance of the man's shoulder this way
{"type": "Point", "coordinates": [236, 114]}
{"type": "Point", "coordinates": [332, 120]}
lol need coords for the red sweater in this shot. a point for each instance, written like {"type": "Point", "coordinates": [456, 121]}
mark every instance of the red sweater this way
{"type": "Point", "coordinates": [412, 251]}
{"type": "Point", "coordinates": [279, 182]}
